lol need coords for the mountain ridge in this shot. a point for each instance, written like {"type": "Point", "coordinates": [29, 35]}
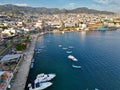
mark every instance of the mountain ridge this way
{"type": "Point", "coordinates": [44, 10]}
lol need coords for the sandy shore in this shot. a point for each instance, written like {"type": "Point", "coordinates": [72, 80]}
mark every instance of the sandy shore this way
{"type": "Point", "coordinates": [21, 78]}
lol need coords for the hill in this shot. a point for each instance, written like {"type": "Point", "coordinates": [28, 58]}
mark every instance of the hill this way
{"type": "Point", "coordinates": [43, 10]}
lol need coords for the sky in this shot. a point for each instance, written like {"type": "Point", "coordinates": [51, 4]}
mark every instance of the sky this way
{"type": "Point", "coordinates": [106, 5]}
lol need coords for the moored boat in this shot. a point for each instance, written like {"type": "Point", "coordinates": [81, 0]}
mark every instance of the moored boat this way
{"type": "Point", "coordinates": [64, 48]}
{"type": "Point", "coordinates": [40, 86]}
{"type": "Point", "coordinates": [76, 66]}
{"type": "Point", "coordinates": [68, 52]}
{"type": "Point", "coordinates": [72, 58]}
{"type": "Point", "coordinates": [32, 65]}
{"type": "Point", "coordinates": [59, 45]}
{"type": "Point", "coordinates": [45, 77]}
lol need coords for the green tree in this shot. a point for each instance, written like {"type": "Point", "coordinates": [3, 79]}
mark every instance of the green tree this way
{"type": "Point", "coordinates": [20, 47]}
{"type": "Point", "coordinates": [26, 37]}
{"type": "Point", "coordinates": [11, 33]}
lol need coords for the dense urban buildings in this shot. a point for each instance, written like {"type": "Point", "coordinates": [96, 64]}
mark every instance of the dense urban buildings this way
{"type": "Point", "coordinates": [18, 29]}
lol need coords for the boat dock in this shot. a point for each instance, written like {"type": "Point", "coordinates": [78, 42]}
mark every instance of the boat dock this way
{"type": "Point", "coordinates": [21, 76]}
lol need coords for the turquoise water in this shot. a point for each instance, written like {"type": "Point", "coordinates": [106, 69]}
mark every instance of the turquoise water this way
{"type": "Point", "coordinates": [97, 52]}
{"type": "Point", "coordinates": [103, 28]}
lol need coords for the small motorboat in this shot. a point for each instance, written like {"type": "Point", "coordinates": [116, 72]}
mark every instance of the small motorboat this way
{"type": "Point", "coordinates": [76, 66]}
{"type": "Point", "coordinates": [68, 52]}
{"type": "Point", "coordinates": [45, 77]}
{"type": "Point", "coordinates": [64, 48]}
{"type": "Point", "coordinates": [39, 50]}
{"type": "Point", "coordinates": [72, 58]}
{"type": "Point", "coordinates": [33, 60]}
{"type": "Point", "coordinates": [32, 65]}
{"type": "Point", "coordinates": [59, 45]}
{"type": "Point", "coordinates": [40, 86]}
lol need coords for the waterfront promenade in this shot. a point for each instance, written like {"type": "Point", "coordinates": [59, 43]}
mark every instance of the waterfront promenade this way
{"type": "Point", "coordinates": [21, 77]}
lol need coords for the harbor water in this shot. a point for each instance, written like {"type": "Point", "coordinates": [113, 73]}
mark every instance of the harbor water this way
{"type": "Point", "coordinates": [98, 54]}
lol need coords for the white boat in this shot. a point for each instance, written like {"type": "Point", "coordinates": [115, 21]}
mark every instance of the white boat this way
{"type": "Point", "coordinates": [45, 77]}
{"type": "Point", "coordinates": [33, 60]}
{"type": "Point", "coordinates": [59, 45]}
{"type": "Point", "coordinates": [68, 52]}
{"type": "Point", "coordinates": [72, 58]}
{"type": "Point", "coordinates": [76, 66]}
{"type": "Point", "coordinates": [40, 86]}
{"type": "Point", "coordinates": [64, 48]}
{"type": "Point", "coordinates": [38, 50]}
{"type": "Point", "coordinates": [32, 65]}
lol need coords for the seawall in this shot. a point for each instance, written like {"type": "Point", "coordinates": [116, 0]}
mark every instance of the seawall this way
{"type": "Point", "coordinates": [21, 77]}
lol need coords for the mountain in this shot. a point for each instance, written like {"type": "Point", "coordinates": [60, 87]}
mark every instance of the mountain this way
{"type": "Point", "coordinates": [43, 10]}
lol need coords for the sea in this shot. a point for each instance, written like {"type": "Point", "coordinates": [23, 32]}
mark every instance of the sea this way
{"type": "Point", "coordinates": [97, 52]}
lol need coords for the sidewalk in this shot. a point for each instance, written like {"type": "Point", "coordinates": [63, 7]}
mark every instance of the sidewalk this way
{"type": "Point", "coordinates": [21, 78]}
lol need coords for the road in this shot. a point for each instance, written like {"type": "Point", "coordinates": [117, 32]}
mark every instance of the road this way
{"type": "Point", "coordinates": [7, 51]}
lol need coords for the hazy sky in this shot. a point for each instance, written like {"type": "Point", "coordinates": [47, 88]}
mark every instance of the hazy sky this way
{"type": "Point", "coordinates": [108, 5]}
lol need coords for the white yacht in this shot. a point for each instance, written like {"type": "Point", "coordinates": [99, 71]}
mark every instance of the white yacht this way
{"type": "Point", "coordinates": [40, 86]}
{"type": "Point", "coordinates": [72, 58]}
{"type": "Point", "coordinates": [45, 77]}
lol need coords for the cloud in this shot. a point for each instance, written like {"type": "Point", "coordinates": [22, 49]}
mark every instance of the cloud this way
{"type": "Point", "coordinates": [107, 5]}
{"type": "Point", "coordinates": [102, 1]}
{"type": "Point", "coordinates": [21, 4]}
{"type": "Point", "coordinates": [70, 6]}
{"type": "Point", "coordinates": [107, 1]}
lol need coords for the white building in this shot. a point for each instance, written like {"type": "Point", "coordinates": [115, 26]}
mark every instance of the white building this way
{"type": "Point", "coordinates": [83, 26]}
{"type": "Point", "coordinates": [39, 24]}
{"type": "Point", "coordinates": [9, 32]}
{"type": "Point", "coordinates": [70, 24]}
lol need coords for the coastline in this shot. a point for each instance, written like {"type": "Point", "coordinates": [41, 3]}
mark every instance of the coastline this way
{"type": "Point", "coordinates": [21, 77]}
{"type": "Point", "coordinates": [58, 31]}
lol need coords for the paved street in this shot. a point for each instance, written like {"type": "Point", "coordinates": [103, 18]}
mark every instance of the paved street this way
{"type": "Point", "coordinates": [20, 81]}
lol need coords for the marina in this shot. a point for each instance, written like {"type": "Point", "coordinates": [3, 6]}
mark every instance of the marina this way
{"type": "Point", "coordinates": [59, 45]}
{"type": "Point", "coordinates": [97, 66]}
